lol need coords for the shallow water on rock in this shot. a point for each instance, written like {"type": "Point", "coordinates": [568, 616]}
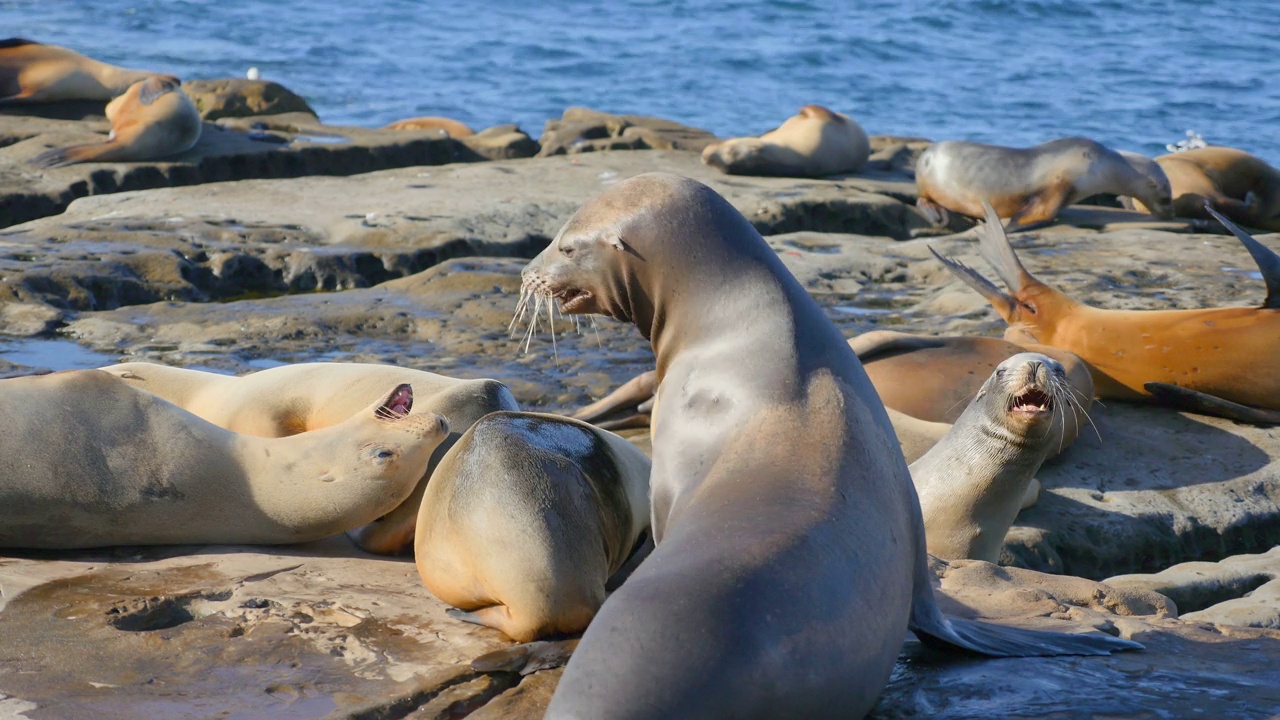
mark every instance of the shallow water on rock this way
{"type": "Point", "coordinates": [54, 355]}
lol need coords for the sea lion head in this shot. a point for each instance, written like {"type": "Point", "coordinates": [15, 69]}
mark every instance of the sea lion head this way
{"type": "Point", "coordinates": [390, 441]}
{"type": "Point", "coordinates": [1027, 393]}
{"type": "Point", "coordinates": [1151, 187]}
{"type": "Point", "coordinates": [649, 237]}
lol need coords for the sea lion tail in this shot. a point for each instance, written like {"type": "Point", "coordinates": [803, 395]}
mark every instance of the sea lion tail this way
{"type": "Point", "coordinates": [996, 250]}
{"type": "Point", "coordinates": [1195, 401]}
{"type": "Point", "coordinates": [1267, 260]}
{"type": "Point", "coordinates": [1000, 300]}
{"type": "Point", "coordinates": [972, 636]}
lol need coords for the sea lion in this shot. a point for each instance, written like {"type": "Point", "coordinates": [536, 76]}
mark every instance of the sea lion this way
{"type": "Point", "coordinates": [929, 379]}
{"type": "Point", "coordinates": [525, 520]}
{"type": "Point", "coordinates": [974, 481]}
{"type": "Point", "coordinates": [812, 143]}
{"type": "Point", "coordinates": [447, 126]}
{"type": "Point", "coordinates": [32, 72]}
{"type": "Point", "coordinates": [153, 119]}
{"type": "Point", "coordinates": [789, 555]}
{"type": "Point", "coordinates": [1225, 353]}
{"type": "Point", "coordinates": [1241, 186]}
{"type": "Point", "coordinates": [1030, 185]}
{"type": "Point", "coordinates": [90, 462]}
{"type": "Point", "coordinates": [291, 399]}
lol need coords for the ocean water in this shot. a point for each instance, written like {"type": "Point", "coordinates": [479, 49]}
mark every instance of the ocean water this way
{"type": "Point", "coordinates": [1135, 74]}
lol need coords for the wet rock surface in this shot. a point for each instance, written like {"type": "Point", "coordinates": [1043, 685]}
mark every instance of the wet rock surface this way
{"type": "Point", "coordinates": [383, 267]}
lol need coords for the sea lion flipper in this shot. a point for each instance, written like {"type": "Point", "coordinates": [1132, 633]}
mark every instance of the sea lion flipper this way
{"type": "Point", "coordinates": [1002, 301]}
{"type": "Point", "coordinates": [933, 212]}
{"type": "Point", "coordinates": [982, 638]}
{"type": "Point", "coordinates": [1195, 401]}
{"type": "Point", "coordinates": [527, 658]}
{"type": "Point", "coordinates": [628, 398]}
{"type": "Point", "coordinates": [996, 250]}
{"type": "Point", "coordinates": [156, 86]}
{"type": "Point", "coordinates": [1268, 261]}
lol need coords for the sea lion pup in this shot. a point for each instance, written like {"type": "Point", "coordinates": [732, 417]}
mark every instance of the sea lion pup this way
{"type": "Point", "coordinates": [448, 126]}
{"type": "Point", "coordinates": [1241, 186]}
{"type": "Point", "coordinates": [89, 462]}
{"type": "Point", "coordinates": [812, 143]}
{"type": "Point", "coordinates": [32, 72]}
{"type": "Point", "coordinates": [790, 556]}
{"type": "Point", "coordinates": [1030, 185]}
{"type": "Point", "coordinates": [974, 481]}
{"type": "Point", "coordinates": [1226, 353]}
{"type": "Point", "coordinates": [153, 119]}
{"type": "Point", "coordinates": [525, 520]}
{"type": "Point", "coordinates": [291, 399]}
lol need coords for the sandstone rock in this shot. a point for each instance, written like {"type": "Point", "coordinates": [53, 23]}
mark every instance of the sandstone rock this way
{"type": "Point", "coordinates": [237, 97]}
{"type": "Point", "coordinates": [1239, 590]}
{"type": "Point", "coordinates": [502, 142]}
{"type": "Point", "coordinates": [582, 130]}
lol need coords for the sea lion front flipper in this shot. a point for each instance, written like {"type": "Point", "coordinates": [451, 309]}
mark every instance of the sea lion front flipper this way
{"type": "Point", "coordinates": [1000, 300]}
{"type": "Point", "coordinates": [933, 212]}
{"type": "Point", "coordinates": [629, 398]}
{"type": "Point", "coordinates": [1181, 398]}
{"type": "Point", "coordinates": [527, 658]}
{"type": "Point", "coordinates": [1268, 261]}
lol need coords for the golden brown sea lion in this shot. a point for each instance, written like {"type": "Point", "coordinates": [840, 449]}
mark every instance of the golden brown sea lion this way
{"type": "Point", "coordinates": [526, 519]}
{"type": "Point", "coordinates": [450, 127]}
{"type": "Point", "coordinates": [1030, 185]}
{"type": "Point", "coordinates": [31, 72]}
{"type": "Point", "coordinates": [1241, 186]}
{"type": "Point", "coordinates": [812, 143]}
{"type": "Point", "coordinates": [1227, 354]}
{"type": "Point", "coordinates": [153, 119]}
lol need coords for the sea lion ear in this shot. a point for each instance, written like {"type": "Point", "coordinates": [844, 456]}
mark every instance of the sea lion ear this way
{"type": "Point", "coordinates": [622, 246]}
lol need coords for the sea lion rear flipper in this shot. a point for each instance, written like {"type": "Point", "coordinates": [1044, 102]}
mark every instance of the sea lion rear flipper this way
{"type": "Point", "coordinates": [155, 87]}
{"type": "Point", "coordinates": [1268, 261]}
{"type": "Point", "coordinates": [1002, 301]}
{"type": "Point", "coordinates": [1181, 398]}
{"type": "Point", "coordinates": [933, 212]}
{"type": "Point", "coordinates": [972, 636]}
{"type": "Point", "coordinates": [995, 249]}
{"type": "Point", "coordinates": [527, 658]}
{"type": "Point", "coordinates": [629, 398]}
{"type": "Point", "coordinates": [58, 157]}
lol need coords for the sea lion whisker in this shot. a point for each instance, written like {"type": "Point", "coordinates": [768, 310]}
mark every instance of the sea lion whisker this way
{"type": "Point", "coordinates": [1083, 411]}
{"type": "Point", "coordinates": [596, 330]}
{"type": "Point", "coordinates": [551, 320]}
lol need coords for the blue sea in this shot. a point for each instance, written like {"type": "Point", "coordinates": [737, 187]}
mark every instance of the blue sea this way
{"type": "Point", "coordinates": [1135, 74]}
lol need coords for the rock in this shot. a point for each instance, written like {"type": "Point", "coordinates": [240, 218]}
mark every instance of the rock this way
{"type": "Point", "coordinates": [581, 130]}
{"type": "Point", "coordinates": [1239, 590]}
{"type": "Point", "coordinates": [237, 97]}
{"type": "Point", "coordinates": [261, 150]}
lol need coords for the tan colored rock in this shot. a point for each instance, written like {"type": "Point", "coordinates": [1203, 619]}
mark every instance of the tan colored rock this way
{"type": "Point", "coordinates": [238, 97]}
{"type": "Point", "coordinates": [502, 142]}
{"type": "Point", "coordinates": [1239, 590]}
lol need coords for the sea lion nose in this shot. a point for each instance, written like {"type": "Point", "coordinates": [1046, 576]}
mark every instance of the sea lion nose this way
{"type": "Point", "coordinates": [1035, 369]}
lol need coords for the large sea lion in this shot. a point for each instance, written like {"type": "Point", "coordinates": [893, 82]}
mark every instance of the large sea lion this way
{"type": "Point", "coordinates": [87, 461]}
{"type": "Point", "coordinates": [31, 72]}
{"type": "Point", "coordinates": [790, 556]}
{"type": "Point", "coordinates": [973, 482]}
{"type": "Point", "coordinates": [1030, 185]}
{"type": "Point", "coordinates": [153, 119]}
{"type": "Point", "coordinates": [447, 126]}
{"type": "Point", "coordinates": [812, 143]}
{"type": "Point", "coordinates": [525, 520]}
{"type": "Point", "coordinates": [1241, 186]}
{"type": "Point", "coordinates": [290, 399]}
{"type": "Point", "coordinates": [1226, 355]}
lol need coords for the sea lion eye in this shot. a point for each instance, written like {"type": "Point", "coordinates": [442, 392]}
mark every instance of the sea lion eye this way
{"type": "Point", "coordinates": [1030, 307]}
{"type": "Point", "coordinates": [382, 454]}
{"type": "Point", "coordinates": [566, 250]}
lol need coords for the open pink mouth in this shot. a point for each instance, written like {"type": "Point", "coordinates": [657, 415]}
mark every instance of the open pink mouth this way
{"type": "Point", "coordinates": [573, 299]}
{"type": "Point", "coordinates": [398, 404]}
{"type": "Point", "coordinates": [1031, 402]}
